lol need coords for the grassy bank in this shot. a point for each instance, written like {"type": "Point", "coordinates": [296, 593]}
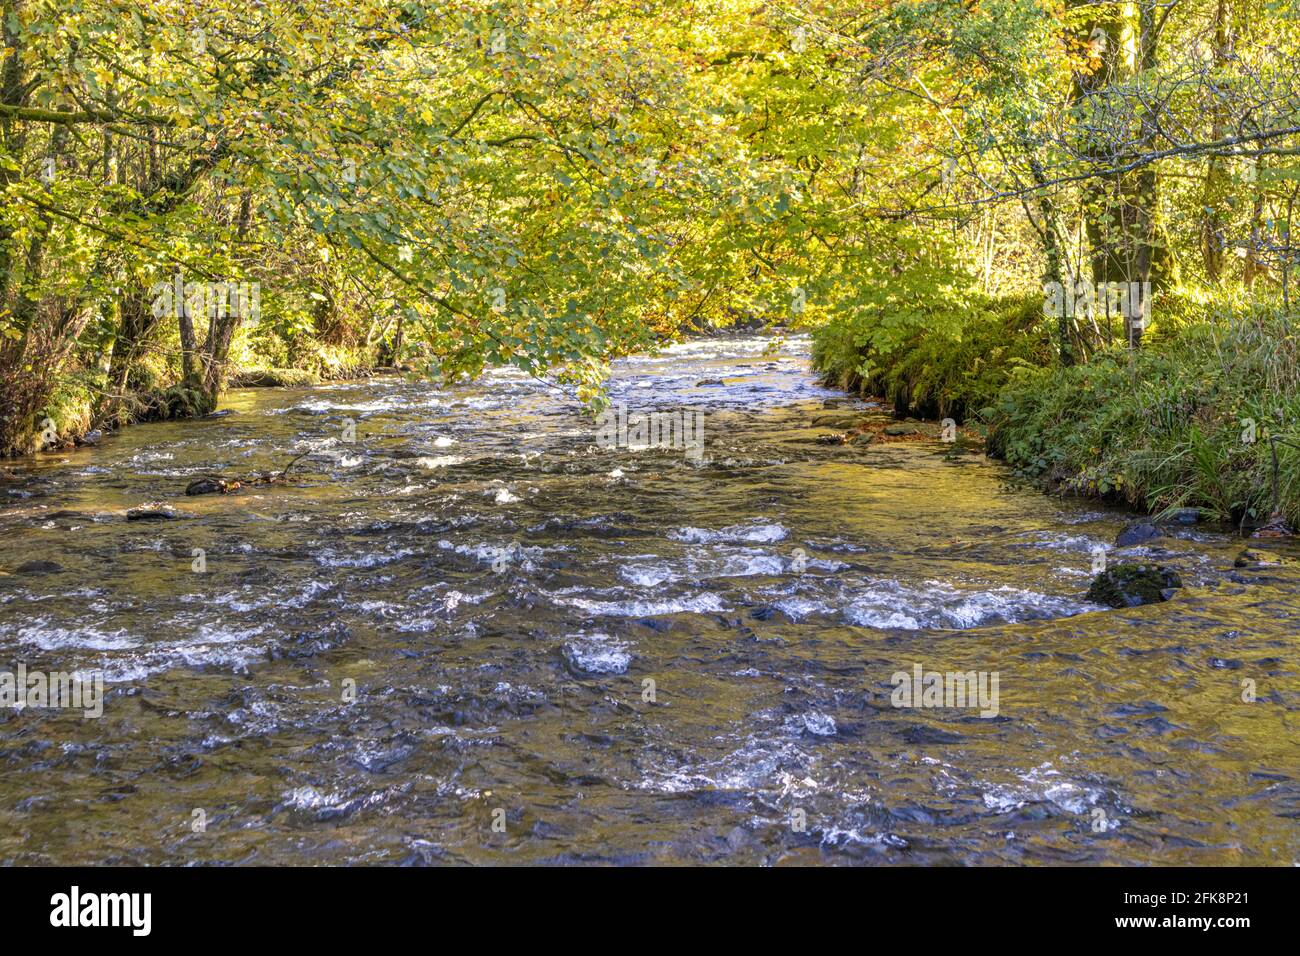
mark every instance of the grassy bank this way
{"type": "Point", "coordinates": [1184, 421]}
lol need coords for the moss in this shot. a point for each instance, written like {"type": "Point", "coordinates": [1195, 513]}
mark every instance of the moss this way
{"type": "Point", "coordinates": [68, 409]}
{"type": "Point", "coordinates": [1185, 421]}
{"type": "Point", "coordinates": [1131, 585]}
{"type": "Point", "coordinates": [274, 378]}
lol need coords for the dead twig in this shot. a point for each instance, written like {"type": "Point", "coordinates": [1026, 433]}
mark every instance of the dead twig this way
{"type": "Point", "coordinates": [210, 484]}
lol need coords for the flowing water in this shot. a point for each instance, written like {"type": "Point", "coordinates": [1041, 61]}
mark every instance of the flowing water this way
{"type": "Point", "coordinates": [474, 634]}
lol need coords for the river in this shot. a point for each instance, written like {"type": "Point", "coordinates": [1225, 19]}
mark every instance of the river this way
{"type": "Point", "coordinates": [475, 634]}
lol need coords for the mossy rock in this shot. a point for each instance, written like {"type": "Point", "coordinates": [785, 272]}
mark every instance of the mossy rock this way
{"type": "Point", "coordinates": [274, 378]}
{"type": "Point", "coordinates": [1131, 585]}
{"type": "Point", "coordinates": [1252, 558]}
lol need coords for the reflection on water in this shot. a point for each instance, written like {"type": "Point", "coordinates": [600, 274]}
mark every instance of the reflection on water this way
{"type": "Point", "coordinates": [633, 656]}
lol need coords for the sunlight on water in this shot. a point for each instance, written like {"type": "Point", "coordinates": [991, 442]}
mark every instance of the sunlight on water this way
{"type": "Point", "coordinates": [638, 656]}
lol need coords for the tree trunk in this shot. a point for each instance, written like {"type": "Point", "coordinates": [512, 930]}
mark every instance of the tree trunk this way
{"type": "Point", "coordinates": [224, 322]}
{"type": "Point", "coordinates": [1213, 240]}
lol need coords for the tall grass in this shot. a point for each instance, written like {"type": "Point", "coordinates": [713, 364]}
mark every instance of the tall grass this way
{"type": "Point", "coordinates": [1187, 420]}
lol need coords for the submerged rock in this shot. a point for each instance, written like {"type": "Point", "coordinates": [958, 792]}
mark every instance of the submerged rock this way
{"type": "Point", "coordinates": [1276, 527]}
{"type": "Point", "coordinates": [38, 567]}
{"type": "Point", "coordinates": [836, 420]}
{"type": "Point", "coordinates": [1136, 532]}
{"type": "Point", "coordinates": [767, 612]}
{"type": "Point", "coordinates": [1251, 558]}
{"type": "Point", "coordinates": [657, 624]}
{"type": "Point", "coordinates": [1131, 585]}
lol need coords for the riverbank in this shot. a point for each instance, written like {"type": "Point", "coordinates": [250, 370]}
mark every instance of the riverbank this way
{"type": "Point", "coordinates": [1192, 419]}
{"type": "Point", "coordinates": [80, 415]}
{"type": "Point", "coordinates": [80, 412]}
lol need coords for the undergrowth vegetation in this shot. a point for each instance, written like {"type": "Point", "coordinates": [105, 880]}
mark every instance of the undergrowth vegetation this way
{"type": "Point", "coordinates": [1193, 418]}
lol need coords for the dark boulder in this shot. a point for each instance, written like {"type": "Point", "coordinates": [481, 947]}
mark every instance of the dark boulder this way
{"type": "Point", "coordinates": [1131, 585]}
{"type": "Point", "coordinates": [1136, 532]}
{"type": "Point", "coordinates": [207, 486]}
{"type": "Point", "coordinates": [766, 612]}
{"type": "Point", "coordinates": [657, 624]}
{"type": "Point", "coordinates": [38, 567]}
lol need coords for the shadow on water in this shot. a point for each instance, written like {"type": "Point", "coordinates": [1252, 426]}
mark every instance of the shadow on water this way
{"type": "Point", "coordinates": [563, 652]}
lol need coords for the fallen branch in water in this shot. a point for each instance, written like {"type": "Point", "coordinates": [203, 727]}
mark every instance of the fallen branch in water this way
{"type": "Point", "coordinates": [296, 459]}
{"type": "Point", "coordinates": [217, 485]}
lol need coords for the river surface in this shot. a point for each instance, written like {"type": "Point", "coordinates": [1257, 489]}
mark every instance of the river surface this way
{"type": "Point", "coordinates": [476, 635]}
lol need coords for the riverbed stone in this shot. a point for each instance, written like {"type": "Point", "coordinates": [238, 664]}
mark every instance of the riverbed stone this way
{"type": "Point", "coordinates": [151, 514]}
{"type": "Point", "coordinates": [657, 624]}
{"type": "Point", "coordinates": [1132, 585]}
{"type": "Point", "coordinates": [207, 486]}
{"type": "Point", "coordinates": [836, 420]}
{"type": "Point", "coordinates": [1136, 532]}
{"type": "Point", "coordinates": [1254, 558]}
{"type": "Point", "coordinates": [38, 567]}
{"type": "Point", "coordinates": [897, 430]}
